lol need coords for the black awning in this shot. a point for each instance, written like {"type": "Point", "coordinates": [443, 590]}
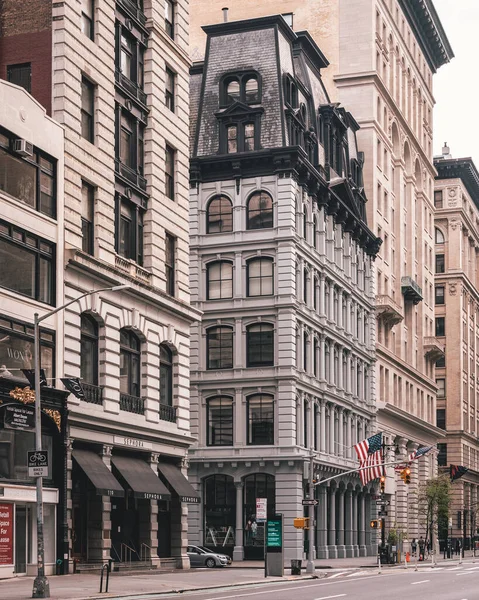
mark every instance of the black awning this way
{"type": "Point", "coordinates": [98, 473]}
{"type": "Point", "coordinates": [141, 478]}
{"type": "Point", "coordinates": [179, 483]}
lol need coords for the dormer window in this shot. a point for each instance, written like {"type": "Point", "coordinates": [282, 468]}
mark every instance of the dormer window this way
{"type": "Point", "coordinates": [232, 138]}
{"type": "Point", "coordinates": [240, 137]}
{"type": "Point", "coordinates": [249, 137]}
{"type": "Point", "coordinates": [243, 87]}
{"type": "Point", "coordinates": [290, 92]}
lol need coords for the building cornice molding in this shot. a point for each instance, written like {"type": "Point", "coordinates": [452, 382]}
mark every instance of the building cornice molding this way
{"type": "Point", "coordinates": [460, 168]}
{"type": "Point", "coordinates": [413, 421]}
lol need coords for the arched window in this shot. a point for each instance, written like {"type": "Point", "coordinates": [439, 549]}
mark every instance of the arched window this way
{"type": "Point", "coordinates": [259, 211]}
{"type": "Point", "coordinates": [89, 350]}
{"type": "Point", "coordinates": [259, 274]}
{"type": "Point", "coordinates": [219, 280]}
{"type": "Point", "coordinates": [439, 236]}
{"type": "Point", "coordinates": [251, 89]}
{"type": "Point", "coordinates": [232, 90]}
{"type": "Point", "coordinates": [219, 215]}
{"type": "Point", "coordinates": [260, 420]}
{"type": "Point", "coordinates": [260, 345]}
{"type": "Point", "coordinates": [130, 359]}
{"type": "Point", "coordinates": [166, 376]}
{"type": "Point", "coordinates": [219, 347]}
{"type": "Point", "coordinates": [219, 421]}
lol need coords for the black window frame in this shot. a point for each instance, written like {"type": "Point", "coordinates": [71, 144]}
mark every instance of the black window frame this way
{"type": "Point", "coordinates": [438, 199]}
{"type": "Point", "coordinates": [87, 124]}
{"type": "Point", "coordinates": [129, 246]}
{"type": "Point", "coordinates": [170, 23]}
{"type": "Point", "coordinates": [166, 373]}
{"type": "Point", "coordinates": [242, 78]}
{"type": "Point", "coordinates": [439, 299]}
{"type": "Point", "coordinates": [442, 386]}
{"type": "Point", "coordinates": [441, 362]}
{"type": "Point", "coordinates": [440, 326]}
{"type": "Point", "coordinates": [440, 263]}
{"type": "Point", "coordinates": [224, 338]}
{"type": "Point", "coordinates": [262, 223]}
{"type": "Point", "coordinates": [262, 343]}
{"type": "Point", "coordinates": [89, 344]}
{"type": "Point", "coordinates": [88, 224]}
{"type": "Point", "coordinates": [267, 437]}
{"type": "Point", "coordinates": [441, 418]}
{"type": "Point", "coordinates": [88, 19]}
{"type": "Point", "coordinates": [438, 232]}
{"type": "Point", "coordinates": [20, 238]}
{"type": "Point", "coordinates": [170, 254]}
{"type": "Point", "coordinates": [221, 279]}
{"type": "Point", "coordinates": [170, 89]}
{"type": "Point", "coordinates": [225, 422]}
{"type": "Point", "coordinates": [442, 455]}
{"type": "Point", "coordinates": [39, 160]}
{"type": "Point", "coordinates": [170, 175]}
{"type": "Point", "coordinates": [222, 199]}
{"type": "Point", "coordinates": [261, 260]}
{"type": "Point", "coordinates": [20, 74]}
{"type": "Point", "coordinates": [130, 352]}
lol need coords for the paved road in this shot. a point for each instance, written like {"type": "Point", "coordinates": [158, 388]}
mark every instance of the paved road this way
{"type": "Point", "coordinates": [454, 583]}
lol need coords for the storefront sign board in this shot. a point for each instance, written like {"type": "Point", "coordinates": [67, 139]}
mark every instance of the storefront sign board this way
{"type": "Point", "coordinates": [132, 442]}
{"type": "Point", "coordinates": [6, 534]}
{"type": "Point", "coordinates": [261, 509]}
{"type": "Point", "coordinates": [19, 417]}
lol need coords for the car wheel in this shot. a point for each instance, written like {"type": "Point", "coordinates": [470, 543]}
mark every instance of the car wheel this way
{"type": "Point", "coordinates": [210, 563]}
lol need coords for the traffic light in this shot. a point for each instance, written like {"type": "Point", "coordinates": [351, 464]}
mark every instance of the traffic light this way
{"type": "Point", "coordinates": [406, 475]}
{"type": "Point", "coordinates": [382, 484]}
{"type": "Point", "coordinates": [301, 522]}
{"type": "Point", "coordinates": [376, 524]}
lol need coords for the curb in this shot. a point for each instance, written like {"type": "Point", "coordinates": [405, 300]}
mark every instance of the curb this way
{"type": "Point", "coordinates": [200, 589]}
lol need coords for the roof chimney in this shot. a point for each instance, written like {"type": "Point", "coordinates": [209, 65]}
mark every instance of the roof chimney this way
{"type": "Point", "coordinates": [225, 14]}
{"type": "Point", "coordinates": [446, 151]}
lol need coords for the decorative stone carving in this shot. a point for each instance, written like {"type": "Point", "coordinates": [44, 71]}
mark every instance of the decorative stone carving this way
{"type": "Point", "coordinates": [25, 395]}
{"type": "Point", "coordinates": [454, 223]}
{"type": "Point", "coordinates": [452, 289]}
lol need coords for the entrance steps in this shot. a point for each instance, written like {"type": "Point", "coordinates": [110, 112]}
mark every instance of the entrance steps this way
{"type": "Point", "coordinates": [167, 565]}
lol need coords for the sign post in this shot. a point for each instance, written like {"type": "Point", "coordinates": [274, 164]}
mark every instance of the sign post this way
{"type": "Point", "coordinates": [261, 516]}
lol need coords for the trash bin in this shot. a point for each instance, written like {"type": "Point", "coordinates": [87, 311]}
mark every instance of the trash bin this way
{"type": "Point", "coordinates": [384, 556]}
{"type": "Point", "coordinates": [296, 567]}
{"type": "Point", "coordinates": [59, 564]}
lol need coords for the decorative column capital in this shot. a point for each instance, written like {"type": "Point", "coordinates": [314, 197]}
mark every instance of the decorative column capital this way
{"type": "Point", "coordinates": [239, 485]}
{"type": "Point", "coordinates": [154, 458]}
{"type": "Point", "coordinates": [106, 450]}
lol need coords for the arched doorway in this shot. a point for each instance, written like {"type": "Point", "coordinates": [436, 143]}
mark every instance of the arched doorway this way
{"type": "Point", "coordinates": [258, 485]}
{"type": "Point", "coordinates": [219, 509]}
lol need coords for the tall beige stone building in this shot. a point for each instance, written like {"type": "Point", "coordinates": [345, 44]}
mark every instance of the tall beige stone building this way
{"type": "Point", "coordinates": [383, 54]}
{"type": "Point", "coordinates": [456, 199]}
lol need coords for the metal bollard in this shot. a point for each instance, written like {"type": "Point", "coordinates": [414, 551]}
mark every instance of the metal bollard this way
{"type": "Point", "coordinates": [106, 566]}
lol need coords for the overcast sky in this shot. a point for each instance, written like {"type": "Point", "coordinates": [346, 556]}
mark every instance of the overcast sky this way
{"type": "Point", "coordinates": [456, 85]}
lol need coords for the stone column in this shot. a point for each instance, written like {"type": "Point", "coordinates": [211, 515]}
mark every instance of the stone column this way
{"type": "Point", "coordinates": [331, 301]}
{"type": "Point", "coordinates": [300, 419]}
{"type": "Point", "coordinates": [309, 354]}
{"type": "Point", "coordinates": [331, 363]}
{"type": "Point", "coordinates": [321, 529]}
{"type": "Point", "coordinates": [362, 525]}
{"type": "Point", "coordinates": [340, 432]}
{"type": "Point", "coordinates": [412, 492]}
{"type": "Point", "coordinates": [317, 357]}
{"type": "Point", "coordinates": [317, 427]}
{"type": "Point", "coordinates": [322, 440]}
{"type": "Point", "coordinates": [355, 524]}
{"type": "Point", "coordinates": [339, 382]}
{"type": "Point", "coordinates": [238, 550]}
{"type": "Point", "coordinates": [348, 314]}
{"type": "Point", "coordinates": [349, 444]}
{"type": "Point", "coordinates": [322, 295]}
{"type": "Point", "coordinates": [341, 548]}
{"type": "Point", "coordinates": [349, 388]}
{"type": "Point", "coordinates": [309, 441]}
{"type": "Point", "coordinates": [322, 357]}
{"type": "Point", "coordinates": [349, 524]}
{"type": "Point", "coordinates": [299, 346]}
{"type": "Point", "coordinates": [150, 530]}
{"type": "Point", "coordinates": [402, 508]}
{"type": "Point", "coordinates": [340, 323]}
{"type": "Point", "coordinates": [332, 550]}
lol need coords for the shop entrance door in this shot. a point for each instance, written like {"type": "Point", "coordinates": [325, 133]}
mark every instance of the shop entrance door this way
{"type": "Point", "coordinates": [124, 529]}
{"type": "Point", "coordinates": [79, 528]}
{"type": "Point", "coordinates": [21, 537]}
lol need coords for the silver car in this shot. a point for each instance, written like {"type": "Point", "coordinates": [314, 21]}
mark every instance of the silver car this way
{"type": "Point", "coordinates": [202, 557]}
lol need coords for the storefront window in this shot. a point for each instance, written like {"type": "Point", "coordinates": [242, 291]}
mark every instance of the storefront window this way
{"type": "Point", "coordinates": [14, 445]}
{"type": "Point", "coordinates": [16, 349]}
{"type": "Point", "coordinates": [220, 511]}
{"type": "Point", "coordinates": [259, 485]}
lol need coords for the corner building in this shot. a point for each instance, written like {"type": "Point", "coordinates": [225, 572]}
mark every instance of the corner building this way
{"type": "Point", "coordinates": [456, 199]}
{"type": "Point", "coordinates": [383, 56]}
{"type": "Point", "coordinates": [115, 76]}
{"type": "Point", "coordinates": [281, 267]}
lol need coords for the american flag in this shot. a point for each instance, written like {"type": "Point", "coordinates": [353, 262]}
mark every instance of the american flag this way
{"type": "Point", "coordinates": [369, 453]}
{"type": "Point", "coordinates": [414, 456]}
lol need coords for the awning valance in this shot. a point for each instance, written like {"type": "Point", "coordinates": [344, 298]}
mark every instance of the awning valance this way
{"type": "Point", "coordinates": [98, 473]}
{"type": "Point", "coordinates": [141, 478]}
{"type": "Point", "coordinates": [179, 483]}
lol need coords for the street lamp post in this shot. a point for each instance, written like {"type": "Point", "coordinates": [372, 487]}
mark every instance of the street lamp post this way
{"type": "Point", "coordinates": [41, 586]}
{"type": "Point", "coordinates": [310, 564]}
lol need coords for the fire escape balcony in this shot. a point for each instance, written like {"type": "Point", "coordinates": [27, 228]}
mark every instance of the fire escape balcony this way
{"type": "Point", "coordinates": [411, 291]}
{"type": "Point", "coordinates": [388, 310]}
{"type": "Point", "coordinates": [433, 348]}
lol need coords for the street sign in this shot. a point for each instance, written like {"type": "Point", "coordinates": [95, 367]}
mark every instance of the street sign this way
{"type": "Point", "coordinates": [383, 513]}
{"type": "Point", "coordinates": [38, 463]}
{"type": "Point", "coordinates": [261, 509]}
{"type": "Point", "coordinates": [382, 502]}
{"type": "Point", "coordinates": [310, 502]}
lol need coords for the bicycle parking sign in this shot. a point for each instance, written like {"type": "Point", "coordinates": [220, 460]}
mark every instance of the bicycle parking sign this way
{"type": "Point", "coordinates": [38, 463]}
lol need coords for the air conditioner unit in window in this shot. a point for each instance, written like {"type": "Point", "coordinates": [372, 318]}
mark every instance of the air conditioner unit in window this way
{"type": "Point", "coordinates": [22, 147]}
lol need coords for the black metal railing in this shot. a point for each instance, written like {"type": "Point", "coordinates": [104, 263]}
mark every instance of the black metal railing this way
{"type": "Point", "coordinates": [131, 87]}
{"type": "Point", "coordinates": [93, 393]}
{"type": "Point", "coordinates": [168, 413]}
{"type": "Point", "coordinates": [134, 10]}
{"type": "Point", "coordinates": [132, 404]}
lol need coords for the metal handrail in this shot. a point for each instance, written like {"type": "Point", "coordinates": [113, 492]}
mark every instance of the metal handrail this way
{"type": "Point", "coordinates": [143, 558]}
{"type": "Point", "coordinates": [127, 552]}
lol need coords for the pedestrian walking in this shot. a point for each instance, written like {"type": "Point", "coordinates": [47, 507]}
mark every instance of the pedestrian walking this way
{"type": "Point", "coordinates": [414, 546]}
{"type": "Point", "coordinates": [422, 545]}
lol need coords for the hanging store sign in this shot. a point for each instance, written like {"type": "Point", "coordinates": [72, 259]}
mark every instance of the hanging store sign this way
{"type": "Point", "coordinates": [19, 417]}
{"type": "Point", "coordinates": [6, 534]}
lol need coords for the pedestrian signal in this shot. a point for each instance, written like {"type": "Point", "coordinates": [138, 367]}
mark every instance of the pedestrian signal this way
{"type": "Point", "coordinates": [301, 522]}
{"type": "Point", "coordinates": [376, 524]}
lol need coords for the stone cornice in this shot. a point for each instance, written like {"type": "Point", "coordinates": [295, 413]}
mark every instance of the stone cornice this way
{"type": "Point", "coordinates": [413, 422]}
{"type": "Point", "coordinates": [460, 168]}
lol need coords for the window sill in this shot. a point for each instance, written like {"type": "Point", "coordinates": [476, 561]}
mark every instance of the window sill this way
{"type": "Point", "coordinates": [132, 268]}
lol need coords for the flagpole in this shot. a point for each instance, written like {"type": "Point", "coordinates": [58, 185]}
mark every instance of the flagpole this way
{"type": "Point", "coordinates": [357, 469]}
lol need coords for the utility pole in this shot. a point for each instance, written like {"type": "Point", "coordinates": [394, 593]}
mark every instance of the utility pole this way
{"type": "Point", "coordinates": [310, 564]}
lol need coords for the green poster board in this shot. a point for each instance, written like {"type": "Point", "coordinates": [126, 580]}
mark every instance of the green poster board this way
{"type": "Point", "coordinates": [274, 534]}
